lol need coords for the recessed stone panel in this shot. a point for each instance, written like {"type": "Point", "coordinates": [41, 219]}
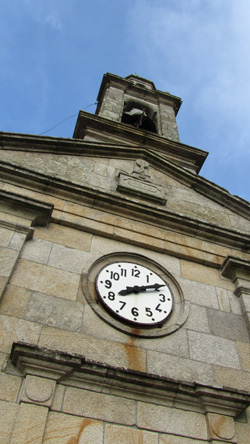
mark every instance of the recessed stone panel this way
{"type": "Point", "coordinates": [172, 421]}
{"type": "Point", "coordinates": [97, 405]}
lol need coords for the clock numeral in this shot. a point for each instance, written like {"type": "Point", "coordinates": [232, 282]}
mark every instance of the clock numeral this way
{"type": "Point", "coordinates": [123, 272]}
{"type": "Point", "coordinates": [114, 275]}
{"type": "Point", "coordinates": [135, 311]}
{"type": "Point", "coordinates": [135, 272]}
{"type": "Point", "coordinates": [163, 298]}
{"type": "Point", "coordinates": [123, 304]}
{"type": "Point", "coordinates": [111, 295]}
{"type": "Point", "coordinates": [148, 312]}
{"type": "Point", "coordinates": [108, 284]}
{"type": "Point", "coordinates": [158, 308]}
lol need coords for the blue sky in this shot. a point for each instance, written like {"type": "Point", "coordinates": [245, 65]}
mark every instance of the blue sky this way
{"type": "Point", "coordinates": [53, 54]}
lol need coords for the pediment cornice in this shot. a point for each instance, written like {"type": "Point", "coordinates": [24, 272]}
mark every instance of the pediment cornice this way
{"type": "Point", "coordinates": [116, 203]}
{"type": "Point", "coordinates": [73, 147]}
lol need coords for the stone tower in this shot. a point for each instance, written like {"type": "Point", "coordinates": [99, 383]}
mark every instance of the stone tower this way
{"type": "Point", "coordinates": [136, 101]}
{"type": "Point", "coordinates": [125, 283]}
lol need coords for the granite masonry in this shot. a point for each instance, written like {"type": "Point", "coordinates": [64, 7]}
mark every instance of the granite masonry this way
{"type": "Point", "coordinates": [124, 189]}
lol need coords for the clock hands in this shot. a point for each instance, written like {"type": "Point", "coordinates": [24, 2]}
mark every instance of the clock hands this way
{"type": "Point", "coordinates": [140, 288]}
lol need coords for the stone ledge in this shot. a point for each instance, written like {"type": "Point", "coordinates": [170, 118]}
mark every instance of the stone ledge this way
{"type": "Point", "coordinates": [131, 208]}
{"type": "Point", "coordinates": [75, 371]}
{"type": "Point", "coordinates": [234, 267]}
{"type": "Point", "coordinates": [185, 155]}
{"type": "Point", "coordinates": [238, 270]}
{"type": "Point", "coordinates": [28, 231]}
{"type": "Point", "coordinates": [40, 212]}
{"type": "Point", "coordinates": [24, 142]}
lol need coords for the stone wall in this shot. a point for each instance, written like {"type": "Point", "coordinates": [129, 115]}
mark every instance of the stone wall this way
{"type": "Point", "coordinates": [43, 306]}
{"type": "Point", "coordinates": [72, 373]}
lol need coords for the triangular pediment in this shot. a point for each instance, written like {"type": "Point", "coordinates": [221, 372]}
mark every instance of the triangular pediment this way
{"type": "Point", "coordinates": [131, 179]}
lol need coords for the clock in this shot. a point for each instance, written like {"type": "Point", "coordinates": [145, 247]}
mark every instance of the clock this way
{"type": "Point", "coordinates": [134, 294]}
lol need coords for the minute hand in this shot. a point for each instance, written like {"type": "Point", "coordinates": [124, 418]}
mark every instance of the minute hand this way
{"type": "Point", "coordinates": [138, 289]}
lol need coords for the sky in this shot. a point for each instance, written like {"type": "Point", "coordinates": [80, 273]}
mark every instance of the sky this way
{"type": "Point", "coordinates": [53, 54]}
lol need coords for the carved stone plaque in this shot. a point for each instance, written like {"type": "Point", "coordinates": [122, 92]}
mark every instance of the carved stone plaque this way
{"type": "Point", "coordinates": [141, 188]}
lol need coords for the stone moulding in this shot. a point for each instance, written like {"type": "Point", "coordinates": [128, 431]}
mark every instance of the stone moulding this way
{"type": "Point", "coordinates": [57, 146]}
{"type": "Point", "coordinates": [193, 158]}
{"type": "Point", "coordinates": [238, 270]}
{"type": "Point", "coordinates": [40, 211]}
{"type": "Point", "coordinates": [28, 231]}
{"type": "Point", "coordinates": [124, 206]}
{"type": "Point", "coordinates": [233, 265]}
{"type": "Point", "coordinates": [126, 84]}
{"type": "Point", "coordinates": [75, 371]}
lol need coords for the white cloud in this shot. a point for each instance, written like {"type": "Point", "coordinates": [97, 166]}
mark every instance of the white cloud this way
{"type": "Point", "coordinates": [199, 50]}
{"type": "Point", "coordinates": [53, 21]}
{"type": "Point", "coordinates": [46, 13]}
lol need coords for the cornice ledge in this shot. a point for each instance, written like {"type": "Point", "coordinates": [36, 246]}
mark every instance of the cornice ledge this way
{"type": "Point", "coordinates": [129, 207]}
{"type": "Point", "coordinates": [151, 140]}
{"type": "Point", "coordinates": [50, 144]}
{"type": "Point", "coordinates": [20, 142]}
{"type": "Point", "coordinates": [53, 145]}
{"type": "Point", "coordinates": [74, 370]}
{"type": "Point", "coordinates": [42, 210]}
{"type": "Point", "coordinates": [241, 290]}
{"type": "Point", "coordinates": [222, 196]}
{"type": "Point", "coordinates": [125, 84]}
{"type": "Point", "coordinates": [28, 231]}
{"type": "Point", "coordinates": [232, 266]}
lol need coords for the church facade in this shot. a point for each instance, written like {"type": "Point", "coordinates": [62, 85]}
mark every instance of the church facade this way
{"type": "Point", "coordinates": [125, 283]}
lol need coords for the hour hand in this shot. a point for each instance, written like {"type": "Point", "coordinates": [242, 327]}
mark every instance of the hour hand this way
{"type": "Point", "coordinates": [138, 289]}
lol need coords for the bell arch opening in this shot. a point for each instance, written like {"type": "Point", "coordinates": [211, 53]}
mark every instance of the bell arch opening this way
{"type": "Point", "coordinates": [140, 116]}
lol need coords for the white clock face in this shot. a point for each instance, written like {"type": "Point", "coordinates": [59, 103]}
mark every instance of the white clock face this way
{"type": "Point", "coordinates": [134, 293]}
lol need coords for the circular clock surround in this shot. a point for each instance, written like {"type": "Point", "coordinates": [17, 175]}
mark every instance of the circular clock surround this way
{"type": "Point", "coordinates": [135, 295]}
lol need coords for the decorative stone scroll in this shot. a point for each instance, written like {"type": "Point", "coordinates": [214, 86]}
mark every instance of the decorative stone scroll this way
{"type": "Point", "coordinates": [221, 428]}
{"type": "Point", "coordinates": [37, 390]}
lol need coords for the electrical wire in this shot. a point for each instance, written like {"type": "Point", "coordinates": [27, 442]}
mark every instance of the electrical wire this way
{"type": "Point", "coordinates": [64, 120]}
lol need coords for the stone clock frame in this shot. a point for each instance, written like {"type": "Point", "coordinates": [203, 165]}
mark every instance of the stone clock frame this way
{"type": "Point", "coordinates": [179, 312]}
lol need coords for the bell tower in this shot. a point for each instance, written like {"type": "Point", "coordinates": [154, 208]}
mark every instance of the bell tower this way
{"type": "Point", "coordinates": [132, 112]}
{"type": "Point", "coordinates": [135, 101]}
